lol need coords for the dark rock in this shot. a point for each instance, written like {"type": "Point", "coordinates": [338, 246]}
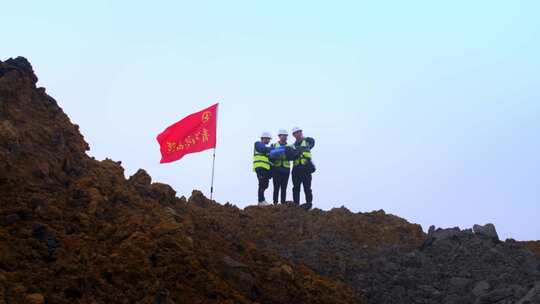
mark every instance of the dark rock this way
{"type": "Point", "coordinates": [456, 299]}
{"type": "Point", "coordinates": [52, 244]}
{"type": "Point", "coordinates": [531, 266]}
{"type": "Point", "coordinates": [488, 230]}
{"type": "Point", "coordinates": [141, 178]}
{"type": "Point", "coordinates": [532, 296]}
{"type": "Point", "coordinates": [495, 296]}
{"type": "Point", "coordinates": [198, 198]}
{"type": "Point", "coordinates": [161, 297]}
{"type": "Point", "coordinates": [519, 291]}
{"type": "Point", "coordinates": [23, 66]}
{"type": "Point", "coordinates": [24, 214]}
{"type": "Point", "coordinates": [73, 293]}
{"type": "Point", "coordinates": [459, 282]}
{"type": "Point", "coordinates": [480, 288]}
{"type": "Point", "coordinates": [9, 219]}
{"type": "Point", "coordinates": [39, 231]}
{"type": "Point", "coordinates": [443, 234]}
{"type": "Point", "coordinates": [306, 206]}
{"type": "Point", "coordinates": [165, 194]}
{"type": "Point", "coordinates": [238, 275]}
{"type": "Point", "coordinates": [229, 262]}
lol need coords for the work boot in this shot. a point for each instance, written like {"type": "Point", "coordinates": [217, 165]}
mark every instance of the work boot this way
{"type": "Point", "coordinates": [263, 204]}
{"type": "Point", "coordinates": [306, 206]}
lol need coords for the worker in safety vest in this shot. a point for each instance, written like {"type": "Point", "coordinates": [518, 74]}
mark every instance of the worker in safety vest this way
{"type": "Point", "coordinates": [281, 167]}
{"type": "Point", "coordinates": [262, 165]}
{"type": "Point", "coordinates": [303, 167]}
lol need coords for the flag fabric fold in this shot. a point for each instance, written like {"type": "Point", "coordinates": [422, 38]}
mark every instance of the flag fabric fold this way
{"type": "Point", "coordinates": [194, 133]}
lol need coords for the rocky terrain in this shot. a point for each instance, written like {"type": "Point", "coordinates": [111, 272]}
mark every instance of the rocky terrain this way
{"type": "Point", "coordinates": [387, 260]}
{"type": "Point", "coordinates": [534, 246]}
{"type": "Point", "coordinates": [74, 230]}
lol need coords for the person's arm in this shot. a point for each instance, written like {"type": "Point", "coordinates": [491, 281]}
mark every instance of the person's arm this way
{"type": "Point", "coordinates": [292, 153]}
{"type": "Point", "coordinates": [262, 148]}
{"type": "Point", "coordinates": [311, 142]}
{"type": "Point", "coordinates": [276, 152]}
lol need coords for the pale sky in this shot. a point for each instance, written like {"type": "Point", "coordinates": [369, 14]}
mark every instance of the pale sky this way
{"type": "Point", "coordinates": [429, 110]}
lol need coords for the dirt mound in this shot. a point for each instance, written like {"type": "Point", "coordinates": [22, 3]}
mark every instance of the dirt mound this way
{"type": "Point", "coordinates": [387, 259]}
{"type": "Point", "coordinates": [326, 241]}
{"type": "Point", "coordinates": [74, 230]}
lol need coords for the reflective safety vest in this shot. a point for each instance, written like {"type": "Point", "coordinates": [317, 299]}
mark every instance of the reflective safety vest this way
{"type": "Point", "coordinates": [282, 161]}
{"type": "Point", "coordinates": [260, 160]}
{"type": "Point", "coordinates": [305, 156]}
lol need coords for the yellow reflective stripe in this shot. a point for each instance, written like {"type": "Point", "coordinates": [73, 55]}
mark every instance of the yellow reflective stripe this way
{"type": "Point", "coordinates": [261, 165]}
{"type": "Point", "coordinates": [261, 161]}
{"type": "Point", "coordinates": [261, 158]}
{"type": "Point", "coordinates": [300, 161]}
{"type": "Point", "coordinates": [282, 163]}
{"type": "Point", "coordinates": [304, 156]}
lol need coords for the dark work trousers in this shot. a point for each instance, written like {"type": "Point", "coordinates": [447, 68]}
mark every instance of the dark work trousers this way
{"type": "Point", "coordinates": [301, 176]}
{"type": "Point", "coordinates": [263, 176]}
{"type": "Point", "coordinates": [281, 179]}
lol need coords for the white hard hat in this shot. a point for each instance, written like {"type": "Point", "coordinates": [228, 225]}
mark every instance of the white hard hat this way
{"type": "Point", "coordinates": [283, 132]}
{"type": "Point", "coordinates": [296, 129]}
{"type": "Point", "coordinates": [266, 135]}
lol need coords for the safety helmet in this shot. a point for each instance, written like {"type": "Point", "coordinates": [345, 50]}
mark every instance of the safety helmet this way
{"type": "Point", "coordinates": [296, 129]}
{"type": "Point", "coordinates": [266, 135]}
{"type": "Point", "coordinates": [282, 132]}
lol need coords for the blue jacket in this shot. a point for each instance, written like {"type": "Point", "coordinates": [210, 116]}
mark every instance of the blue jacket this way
{"type": "Point", "coordinates": [310, 141]}
{"type": "Point", "coordinates": [278, 151]}
{"type": "Point", "coordinates": [262, 148]}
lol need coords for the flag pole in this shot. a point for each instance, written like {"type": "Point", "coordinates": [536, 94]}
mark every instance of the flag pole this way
{"type": "Point", "coordinates": [212, 183]}
{"type": "Point", "coordinates": [214, 158]}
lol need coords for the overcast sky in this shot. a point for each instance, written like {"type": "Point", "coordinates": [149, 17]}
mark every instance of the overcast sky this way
{"type": "Point", "coordinates": [429, 110]}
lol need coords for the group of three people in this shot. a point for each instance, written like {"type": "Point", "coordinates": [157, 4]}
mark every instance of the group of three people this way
{"type": "Point", "coordinates": [274, 162]}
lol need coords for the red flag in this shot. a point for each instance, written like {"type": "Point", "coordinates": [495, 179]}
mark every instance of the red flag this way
{"type": "Point", "coordinates": [194, 133]}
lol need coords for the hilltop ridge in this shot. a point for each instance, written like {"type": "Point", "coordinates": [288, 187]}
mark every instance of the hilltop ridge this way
{"type": "Point", "coordinates": [74, 230]}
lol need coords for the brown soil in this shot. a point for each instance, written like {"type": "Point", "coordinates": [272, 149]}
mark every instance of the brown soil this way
{"type": "Point", "coordinates": [74, 230]}
{"type": "Point", "coordinates": [533, 246]}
